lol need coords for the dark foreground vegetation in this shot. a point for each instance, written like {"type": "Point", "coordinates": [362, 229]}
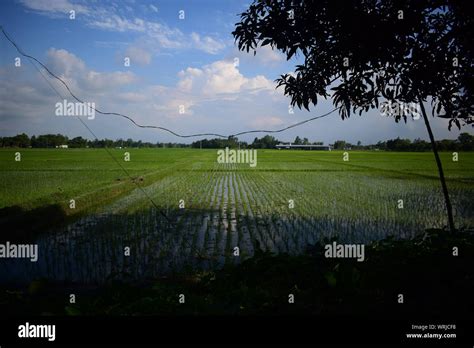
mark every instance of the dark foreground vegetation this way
{"type": "Point", "coordinates": [434, 283]}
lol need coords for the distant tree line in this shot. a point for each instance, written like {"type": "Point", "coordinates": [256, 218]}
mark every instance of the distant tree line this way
{"type": "Point", "coordinates": [55, 140]}
{"type": "Point", "coordinates": [266, 142]}
{"type": "Point", "coordinates": [464, 142]}
{"type": "Point", "coordinates": [218, 143]}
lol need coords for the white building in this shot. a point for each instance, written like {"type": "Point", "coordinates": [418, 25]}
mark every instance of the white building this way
{"type": "Point", "coordinates": [304, 147]}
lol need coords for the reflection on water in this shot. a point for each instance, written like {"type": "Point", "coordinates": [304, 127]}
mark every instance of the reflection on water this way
{"type": "Point", "coordinates": [92, 250]}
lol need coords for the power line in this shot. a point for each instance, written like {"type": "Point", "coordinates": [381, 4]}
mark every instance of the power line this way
{"type": "Point", "coordinates": [152, 126]}
{"type": "Point", "coordinates": [107, 150]}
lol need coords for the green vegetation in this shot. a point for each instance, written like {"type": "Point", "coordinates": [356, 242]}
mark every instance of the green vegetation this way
{"type": "Point", "coordinates": [355, 199]}
{"type": "Point", "coordinates": [54, 176]}
{"type": "Point", "coordinates": [226, 205]}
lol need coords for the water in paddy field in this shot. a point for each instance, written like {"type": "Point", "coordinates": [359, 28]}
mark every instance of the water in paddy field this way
{"type": "Point", "coordinates": [226, 210]}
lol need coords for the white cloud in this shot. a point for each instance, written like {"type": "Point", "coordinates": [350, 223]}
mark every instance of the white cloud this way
{"type": "Point", "coordinates": [173, 107]}
{"type": "Point", "coordinates": [190, 71]}
{"type": "Point", "coordinates": [186, 78]}
{"type": "Point", "coordinates": [138, 55]}
{"type": "Point", "coordinates": [63, 62]}
{"type": "Point", "coordinates": [268, 56]}
{"type": "Point", "coordinates": [102, 81]}
{"type": "Point", "coordinates": [165, 36]}
{"type": "Point", "coordinates": [221, 77]}
{"type": "Point", "coordinates": [207, 44]}
{"type": "Point", "coordinates": [186, 84]}
{"type": "Point", "coordinates": [75, 72]}
{"type": "Point", "coordinates": [259, 82]}
{"type": "Point", "coordinates": [114, 22]}
{"type": "Point", "coordinates": [265, 56]}
{"type": "Point", "coordinates": [155, 34]}
{"type": "Point", "coordinates": [57, 6]}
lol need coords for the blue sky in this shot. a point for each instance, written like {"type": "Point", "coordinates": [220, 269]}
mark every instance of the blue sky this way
{"type": "Point", "coordinates": [187, 63]}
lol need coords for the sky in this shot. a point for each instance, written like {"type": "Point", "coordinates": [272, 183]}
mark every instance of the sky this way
{"type": "Point", "coordinates": [185, 74]}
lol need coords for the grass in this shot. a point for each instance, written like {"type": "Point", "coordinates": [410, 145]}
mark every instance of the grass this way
{"type": "Point", "coordinates": [225, 206]}
{"type": "Point", "coordinates": [50, 176]}
{"type": "Point", "coordinates": [234, 205]}
{"type": "Point", "coordinates": [46, 176]}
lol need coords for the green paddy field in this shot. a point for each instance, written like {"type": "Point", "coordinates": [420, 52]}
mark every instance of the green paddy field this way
{"type": "Point", "coordinates": [180, 209]}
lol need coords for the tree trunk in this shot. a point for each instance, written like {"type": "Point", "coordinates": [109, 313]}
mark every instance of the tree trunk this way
{"type": "Point", "coordinates": [449, 208]}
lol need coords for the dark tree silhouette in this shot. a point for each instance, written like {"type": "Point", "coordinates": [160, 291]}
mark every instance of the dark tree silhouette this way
{"type": "Point", "coordinates": [369, 51]}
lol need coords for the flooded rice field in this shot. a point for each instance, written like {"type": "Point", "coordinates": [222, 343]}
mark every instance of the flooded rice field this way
{"type": "Point", "coordinates": [204, 219]}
